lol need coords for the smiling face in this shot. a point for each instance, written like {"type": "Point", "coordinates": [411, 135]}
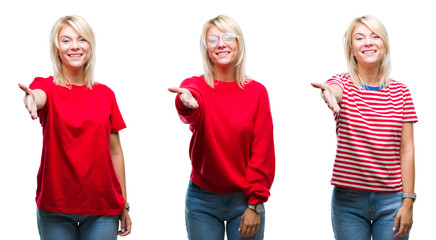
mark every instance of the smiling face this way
{"type": "Point", "coordinates": [223, 53]}
{"type": "Point", "coordinates": [368, 47]}
{"type": "Point", "coordinates": [74, 50]}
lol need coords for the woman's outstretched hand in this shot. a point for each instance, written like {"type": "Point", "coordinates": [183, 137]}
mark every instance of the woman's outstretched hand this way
{"type": "Point", "coordinates": [29, 100]}
{"type": "Point", "coordinates": [186, 97]}
{"type": "Point", "coordinates": [328, 96]}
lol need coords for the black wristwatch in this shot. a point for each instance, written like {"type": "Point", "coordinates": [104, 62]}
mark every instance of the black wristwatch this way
{"type": "Point", "coordinates": [257, 208]}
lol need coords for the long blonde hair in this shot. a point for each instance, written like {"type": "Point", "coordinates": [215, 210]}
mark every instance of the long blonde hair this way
{"type": "Point", "coordinates": [84, 30]}
{"type": "Point", "coordinates": [385, 64]}
{"type": "Point", "coordinates": [224, 24]}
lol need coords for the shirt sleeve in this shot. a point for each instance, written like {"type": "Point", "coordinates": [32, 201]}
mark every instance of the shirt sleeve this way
{"type": "Point", "coordinates": [43, 84]}
{"type": "Point", "coordinates": [117, 121]}
{"type": "Point", "coordinates": [409, 113]}
{"type": "Point", "coordinates": [261, 167]}
{"type": "Point", "coordinates": [337, 80]}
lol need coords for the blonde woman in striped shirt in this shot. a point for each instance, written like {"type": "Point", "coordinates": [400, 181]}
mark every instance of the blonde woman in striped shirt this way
{"type": "Point", "coordinates": [374, 171]}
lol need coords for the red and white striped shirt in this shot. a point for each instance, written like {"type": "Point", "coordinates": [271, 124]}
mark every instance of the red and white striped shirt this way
{"type": "Point", "coordinates": [368, 129]}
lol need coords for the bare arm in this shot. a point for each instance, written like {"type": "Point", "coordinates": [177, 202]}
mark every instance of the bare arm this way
{"type": "Point", "coordinates": [332, 95]}
{"type": "Point", "coordinates": [404, 218]}
{"type": "Point", "coordinates": [118, 161]}
{"type": "Point", "coordinates": [33, 100]}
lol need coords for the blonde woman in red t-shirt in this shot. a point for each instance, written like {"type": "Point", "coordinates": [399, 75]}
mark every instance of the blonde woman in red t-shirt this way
{"type": "Point", "coordinates": [81, 190]}
{"type": "Point", "coordinates": [374, 173]}
{"type": "Point", "coordinates": [232, 147]}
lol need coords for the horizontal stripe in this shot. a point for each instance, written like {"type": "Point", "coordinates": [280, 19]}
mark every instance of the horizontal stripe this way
{"type": "Point", "coordinates": [368, 129]}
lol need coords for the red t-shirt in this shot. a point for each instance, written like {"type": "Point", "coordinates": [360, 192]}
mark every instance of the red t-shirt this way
{"type": "Point", "coordinates": [232, 146]}
{"type": "Point", "coordinates": [77, 175]}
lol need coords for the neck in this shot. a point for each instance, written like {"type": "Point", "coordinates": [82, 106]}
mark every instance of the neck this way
{"type": "Point", "coordinates": [225, 74]}
{"type": "Point", "coordinates": [74, 76]}
{"type": "Point", "coordinates": [370, 75]}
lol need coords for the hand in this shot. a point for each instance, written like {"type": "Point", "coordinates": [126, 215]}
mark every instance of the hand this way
{"type": "Point", "coordinates": [404, 218]}
{"type": "Point", "coordinates": [250, 223]}
{"type": "Point", "coordinates": [329, 97]}
{"type": "Point", "coordinates": [126, 224]}
{"type": "Point", "coordinates": [186, 97]}
{"type": "Point", "coordinates": [29, 101]}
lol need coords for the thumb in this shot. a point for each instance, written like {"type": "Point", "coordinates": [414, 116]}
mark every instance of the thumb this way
{"type": "Point", "coordinates": [241, 223]}
{"type": "Point", "coordinates": [396, 222]}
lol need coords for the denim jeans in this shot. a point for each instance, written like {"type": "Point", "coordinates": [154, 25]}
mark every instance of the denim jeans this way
{"type": "Point", "coordinates": [358, 215]}
{"type": "Point", "coordinates": [209, 215]}
{"type": "Point", "coordinates": [62, 226]}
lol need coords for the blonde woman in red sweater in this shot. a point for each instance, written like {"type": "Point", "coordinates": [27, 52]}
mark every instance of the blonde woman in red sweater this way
{"type": "Point", "coordinates": [232, 146]}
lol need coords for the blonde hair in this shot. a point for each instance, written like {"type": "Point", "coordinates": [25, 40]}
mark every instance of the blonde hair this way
{"type": "Point", "coordinates": [224, 24]}
{"type": "Point", "coordinates": [385, 63]}
{"type": "Point", "coordinates": [84, 30]}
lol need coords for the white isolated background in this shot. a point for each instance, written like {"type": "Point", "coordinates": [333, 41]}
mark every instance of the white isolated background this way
{"type": "Point", "coordinates": [144, 47]}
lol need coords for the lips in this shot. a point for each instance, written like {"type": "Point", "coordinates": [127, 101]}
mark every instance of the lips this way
{"type": "Point", "coordinates": [222, 54]}
{"type": "Point", "coordinates": [369, 52]}
{"type": "Point", "coordinates": [75, 56]}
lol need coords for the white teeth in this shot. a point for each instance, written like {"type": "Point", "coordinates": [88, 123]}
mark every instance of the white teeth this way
{"type": "Point", "coordinates": [76, 55]}
{"type": "Point", "coordinates": [369, 52]}
{"type": "Point", "coordinates": [222, 53]}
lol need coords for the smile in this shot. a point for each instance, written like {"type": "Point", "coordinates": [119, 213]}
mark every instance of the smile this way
{"type": "Point", "coordinates": [369, 52]}
{"type": "Point", "coordinates": [221, 54]}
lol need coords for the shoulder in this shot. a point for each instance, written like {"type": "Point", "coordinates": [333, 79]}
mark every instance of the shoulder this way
{"type": "Point", "coordinates": [45, 80]}
{"type": "Point", "coordinates": [344, 78]}
{"type": "Point", "coordinates": [396, 84]}
{"type": "Point", "coordinates": [193, 82]}
{"type": "Point", "coordinates": [255, 85]}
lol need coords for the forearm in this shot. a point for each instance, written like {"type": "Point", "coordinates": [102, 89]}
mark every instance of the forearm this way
{"type": "Point", "coordinates": [40, 98]}
{"type": "Point", "coordinates": [407, 156]}
{"type": "Point", "coordinates": [118, 161]}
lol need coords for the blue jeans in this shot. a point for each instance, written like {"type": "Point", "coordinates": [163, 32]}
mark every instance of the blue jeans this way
{"type": "Point", "coordinates": [62, 226]}
{"type": "Point", "coordinates": [209, 215]}
{"type": "Point", "coordinates": [358, 215]}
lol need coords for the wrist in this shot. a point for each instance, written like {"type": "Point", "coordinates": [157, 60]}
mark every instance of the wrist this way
{"type": "Point", "coordinates": [258, 208]}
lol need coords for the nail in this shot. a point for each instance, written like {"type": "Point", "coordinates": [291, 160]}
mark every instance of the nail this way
{"type": "Point", "coordinates": [393, 229]}
{"type": "Point", "coordinates": [239, 229]}
{"type": "Point", "coordinates": [122, 230]}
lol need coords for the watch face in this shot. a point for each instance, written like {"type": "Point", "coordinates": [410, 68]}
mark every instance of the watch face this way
{"type": "Point", "coordinates": [259, 208]}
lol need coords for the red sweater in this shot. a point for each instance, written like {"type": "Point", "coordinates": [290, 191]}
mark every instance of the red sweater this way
{"type": "Point", "coordinates": [232, 146]}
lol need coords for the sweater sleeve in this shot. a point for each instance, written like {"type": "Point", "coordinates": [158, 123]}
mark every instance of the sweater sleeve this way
{"type": "Point", "coordinates": [188, 115]}
{"type": "Point", "coordinates": [261, 167]}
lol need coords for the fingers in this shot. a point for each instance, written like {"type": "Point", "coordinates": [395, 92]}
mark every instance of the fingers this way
{"type": "Point", "coordinates": [318, 85]}
{"type": "Point", "coordinates": [404, 229]}
{"type": "Point", "coordinates": [186, 97]}
{"type": "Point", "coordinates": [126, 224]}
{"type": "Point", "coordinates": [250, 223]}
{"type": "Point", "coordinates": [24, 88]}
{"type": "Point", "coordinates": [175, 90]}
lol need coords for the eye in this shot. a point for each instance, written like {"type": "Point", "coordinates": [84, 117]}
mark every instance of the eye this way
{"type": "Point", "coordinates": [65, 40]}
{"type": "Point", "coordinates": [212, 38]}
{"type": "Point", "coordinates": [376, 37]}
{"type": "Point", "coordinates": [359, 38]}
{"type": "Point", "coordinates": [228, 37]}
{"type": "Point", "coordinates": [82, 40]}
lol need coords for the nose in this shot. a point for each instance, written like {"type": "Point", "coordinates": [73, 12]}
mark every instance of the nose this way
{"type": "Point", "coordinates": [74, 44]}
{"type": "Point", "coordinates": [221, 42]}
{"type": "Point", "coordinates": [368, 41]}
